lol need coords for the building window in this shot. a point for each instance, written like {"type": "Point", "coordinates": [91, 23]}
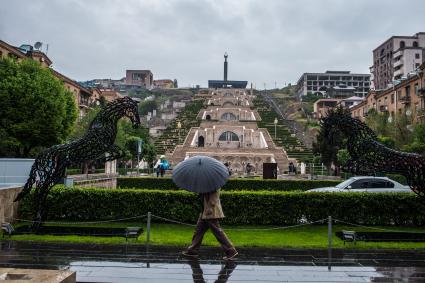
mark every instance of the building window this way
{"type": "Point", "coordinates": [228, 117]}
{"type": "Point", "coordinates": [417, 56]}
{"type": "Point", "coordinates": [415, 44]}
{"type": "Point", "coordinates": [417, 89]}
{"type": "Point", "coordinates": [227, 94]}
{"type": "Point", "coordinates": [228, 136]}
{"type": "Point", "coordinates": [407, 89]}
{"type": "Point", "coordinates": [402, 44]}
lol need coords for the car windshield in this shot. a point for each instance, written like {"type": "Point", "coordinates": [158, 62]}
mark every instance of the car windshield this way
{"type": "Point", "coordinates": [344, 184]}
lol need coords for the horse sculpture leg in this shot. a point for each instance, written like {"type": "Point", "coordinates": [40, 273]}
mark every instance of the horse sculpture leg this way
{"type": "Point", "coordinates": [49, 176]}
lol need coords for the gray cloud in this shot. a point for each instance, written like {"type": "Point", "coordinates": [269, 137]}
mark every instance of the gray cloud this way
{"type": "Point", "coordinates": [268, 41]}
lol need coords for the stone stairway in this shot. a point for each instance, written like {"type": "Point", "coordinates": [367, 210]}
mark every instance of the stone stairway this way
{"type": "Point", "coordinates": [280, 155]}
{"type": "Point", "coordinates": [293, 147]}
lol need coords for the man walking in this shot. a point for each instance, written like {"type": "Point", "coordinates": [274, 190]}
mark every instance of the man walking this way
{"type": "Point", "coordinates": [209, 218]}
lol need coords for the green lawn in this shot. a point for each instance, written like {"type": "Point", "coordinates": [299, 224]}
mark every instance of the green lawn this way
{"type": "Point", "coordinates": [178, 235]}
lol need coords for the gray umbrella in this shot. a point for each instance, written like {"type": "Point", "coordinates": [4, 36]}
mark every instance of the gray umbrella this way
{"type": "Point", "coordinates": [200, 174]}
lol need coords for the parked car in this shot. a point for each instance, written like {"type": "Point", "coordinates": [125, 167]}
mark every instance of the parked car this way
{"type": "Point", "coordinates": [366, 184]}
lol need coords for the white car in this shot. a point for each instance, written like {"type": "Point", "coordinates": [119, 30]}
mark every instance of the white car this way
{"type": "Point", "coordinates": [366, 184]}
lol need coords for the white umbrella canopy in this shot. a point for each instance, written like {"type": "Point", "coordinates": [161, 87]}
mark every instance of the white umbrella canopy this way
{"type": "Point", "coordinates": [200, 174]}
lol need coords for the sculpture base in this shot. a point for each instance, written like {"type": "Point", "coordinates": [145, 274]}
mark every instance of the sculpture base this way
{"type": "Point", "coordinates": [37, 275]}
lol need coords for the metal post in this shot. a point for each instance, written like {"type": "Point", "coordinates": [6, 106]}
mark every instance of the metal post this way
{"type": "Point", "coordinates": [148, 236]}
{"type": "Point", "coordinates": [138, 162]}
{"type": "Point", "coordinates": [275, 131]}
{"type": "Point", "coordinates": [311, 173]}
{"type": "Point", "coordinates": [148, 228]}
{"type": "Point", "coordinates": [329, 242]}
{"type": "Point", "coordinates": [322, 169]}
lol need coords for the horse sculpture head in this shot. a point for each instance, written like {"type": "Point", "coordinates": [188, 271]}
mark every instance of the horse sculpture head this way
{"type": "Point", "coordinates": [339, 124]}
{"type": "Point", "coordinates": [131, 110]}
{"type": "Point", "coordinates": [334, 125]}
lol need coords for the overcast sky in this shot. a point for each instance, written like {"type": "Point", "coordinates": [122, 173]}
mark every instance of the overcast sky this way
{"type": "Point", "coordinates": [267, 41]}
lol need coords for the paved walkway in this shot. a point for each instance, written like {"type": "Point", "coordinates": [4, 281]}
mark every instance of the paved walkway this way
{"type": "Point", "coordinates": [105, 263]}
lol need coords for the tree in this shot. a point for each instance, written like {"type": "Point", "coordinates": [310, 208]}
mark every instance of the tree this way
{"type": "Point", "coordinates": [328, 148]}
{"type": "Point", "coordinates": [36, 111]}
{"type": "Point", "coordinates": [378, 122]}
{"type": "Point", "coordinates": [342, 156]}
{"type": "Point", "coordinates": [418, 140]}
{"type": "Point", "coordinates": [81, 126]}
{"type": "Point", "coordinates": [149, 153]}
{"type": "Point", "coordinates": [147, 106]}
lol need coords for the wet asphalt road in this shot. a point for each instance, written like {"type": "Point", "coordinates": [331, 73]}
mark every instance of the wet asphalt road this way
{"type": "Point", "coordinates": [108, 263]}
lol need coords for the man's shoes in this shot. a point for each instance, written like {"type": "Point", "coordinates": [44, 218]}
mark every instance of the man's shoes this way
{"type": "Point", "coordinates": [231, 256]}
{"type": "Point", "coordinates": [190, 254]}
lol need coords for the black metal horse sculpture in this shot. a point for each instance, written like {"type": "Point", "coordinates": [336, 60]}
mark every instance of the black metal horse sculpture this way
{"type": "Point", "coordinates": [96, 144]}
{"type": "Point", "coordinates": [368, 156]}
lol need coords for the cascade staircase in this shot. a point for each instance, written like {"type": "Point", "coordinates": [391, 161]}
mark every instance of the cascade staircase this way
{"type": "Point", "coordinates": [293, 147]}
{"type": "Point", "coordinates": [173, 136]}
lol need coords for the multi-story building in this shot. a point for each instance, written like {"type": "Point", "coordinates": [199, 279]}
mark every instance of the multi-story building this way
{"type": "Point", "coordinates": [323, 106]}
{"type": "Point", "coordinates": [83, 96]}
{"type": "Point", "coordinates": [395, 58]}
{"type": "Point", "coordinates": [339, 83]}
{"type": "Point", "coordinates": [405, 97]}
{"type": "Point", "coordinates": [142, 78]}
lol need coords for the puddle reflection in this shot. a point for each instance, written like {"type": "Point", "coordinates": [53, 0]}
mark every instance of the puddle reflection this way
{"type": "Point", "coordinates": [223, 275]}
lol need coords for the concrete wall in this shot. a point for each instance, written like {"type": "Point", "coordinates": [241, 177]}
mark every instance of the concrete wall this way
{"type": "Point", "coordinates": [8, 208]}
{"type": "Point", "coordinates": [14, 171]}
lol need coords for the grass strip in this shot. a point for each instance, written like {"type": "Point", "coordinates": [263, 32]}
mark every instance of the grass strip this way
{"type": "Point", "coordinates": [313, 236]}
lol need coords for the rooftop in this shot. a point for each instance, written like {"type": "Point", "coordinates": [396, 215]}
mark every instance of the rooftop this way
{"type": "Point", "coordinates": [227, 84]}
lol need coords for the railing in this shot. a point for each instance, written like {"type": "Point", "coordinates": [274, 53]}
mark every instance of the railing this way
{"type": "Point", "coordinates": [405, 99]}
{"type": "Point", "coordinates": [383, 108]}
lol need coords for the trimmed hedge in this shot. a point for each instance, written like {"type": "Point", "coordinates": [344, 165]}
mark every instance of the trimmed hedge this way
{"type": "Point", "coordinates": [231, 185]}
{"type": "Point", "coordinates": [240, 207]}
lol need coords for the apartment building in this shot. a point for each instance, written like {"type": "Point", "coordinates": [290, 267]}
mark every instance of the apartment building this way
{"type": "Point", "coordinates": [406, 97]}
{"type": "Point", "coordinates": [396, 58]}
{"type": "Point", "coordinates": [83, 96]}
{"type": "Point", "coordinates": [333, 84]}
{"type": "Point", "coordinates": [142, 78]}
{"type": "Point", "coordinates": [322, 106]}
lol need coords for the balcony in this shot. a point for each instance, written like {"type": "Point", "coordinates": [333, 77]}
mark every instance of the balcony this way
{"type": "Point", "coordinates": [398, 63]}
{"type": "Point", "coordinates": [383, 108]}
{"type": "Point", "coordinates": [399, 72]}
{"type": "Point", "coordinates": [398, 54]}
{"type": "Point", "coordinates": [405, 99]}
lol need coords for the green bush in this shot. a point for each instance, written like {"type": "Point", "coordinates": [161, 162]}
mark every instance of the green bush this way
{"type": "Point", "coordinates": [77, 171]}
{"type": "Point", "coordinates": [240, 207]}
{"type": "Point", "coordinates": [232, 184]}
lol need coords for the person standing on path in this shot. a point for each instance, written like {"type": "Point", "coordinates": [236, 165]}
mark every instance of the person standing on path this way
{"type": "Point", "coordinates": [209, 218]}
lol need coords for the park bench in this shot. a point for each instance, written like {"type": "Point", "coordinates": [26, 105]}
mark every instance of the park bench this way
{"type": "Point", "coordinates": [349, 236]}
{"type": "Point", "coordinates": [7, 228]}
{"type": "Point", "coordinates": [132, 232]}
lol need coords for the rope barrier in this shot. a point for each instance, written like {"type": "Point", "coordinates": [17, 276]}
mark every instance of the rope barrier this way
{"type": "Point", "coordinates": [242, 229]}
{"type": "Point", "coordinates": [86, 222]}
{"type": "Point", "coordinates": [194, 225]}
{"type": "Point", "coordinates": [278, 228]}
{"type": "Point", "coordinates": [173, 221]}
{"type": "Point", "coordinates": [368, 227]}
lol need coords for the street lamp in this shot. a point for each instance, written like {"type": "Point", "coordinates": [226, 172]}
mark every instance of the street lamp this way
{"type": "Point", "coordinates": [139, 152]}
{"type": "Point", "coordinates": [275, 124]}
{"type": "Point", "coordinates": [179, 126]}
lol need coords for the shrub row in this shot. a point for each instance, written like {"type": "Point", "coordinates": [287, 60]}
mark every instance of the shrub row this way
{"type": "Point", "coordinates": [240, 207]}
{"type": "Point", "coordinates": [231, 185]}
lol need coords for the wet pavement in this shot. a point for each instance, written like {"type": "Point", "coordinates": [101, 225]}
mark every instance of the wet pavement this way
{"type": "Point", "coordinates": [107, 263]}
